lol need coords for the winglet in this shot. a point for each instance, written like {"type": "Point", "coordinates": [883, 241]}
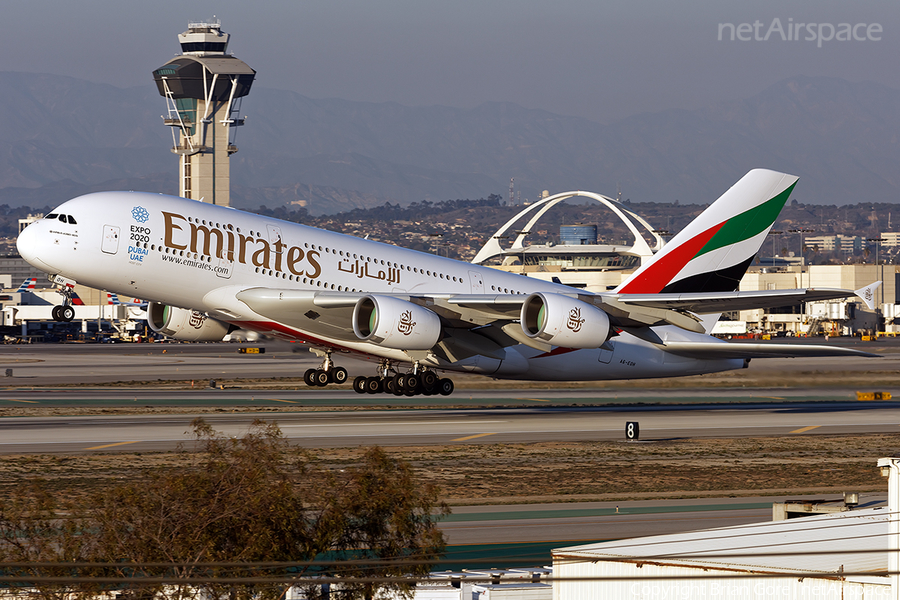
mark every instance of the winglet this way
{"type": "Point", "coordinates": [867, 294]}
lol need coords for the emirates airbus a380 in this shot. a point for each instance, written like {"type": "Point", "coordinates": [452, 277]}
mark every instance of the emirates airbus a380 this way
{"type": "Point", "coordinates": [208, 270]}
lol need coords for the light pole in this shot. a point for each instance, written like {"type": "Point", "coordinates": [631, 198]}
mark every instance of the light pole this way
{"type": "Point", "coordinates": [774, 235]}
{"type": "Point", "coordinates": [801, 231]}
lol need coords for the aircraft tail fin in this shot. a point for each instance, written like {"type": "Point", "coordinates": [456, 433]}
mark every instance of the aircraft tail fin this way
{"type": "Point", "coordinates": [713, 252]}
{"type": "Point", "coordinates": [867, 294]}
{"type": "Point", "coordinates": [28, 285]}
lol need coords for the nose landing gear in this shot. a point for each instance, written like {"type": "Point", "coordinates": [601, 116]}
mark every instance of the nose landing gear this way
{"type": "Point", "coordinates": [65, 312]}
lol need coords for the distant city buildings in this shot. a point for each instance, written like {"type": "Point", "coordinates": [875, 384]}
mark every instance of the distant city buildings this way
{"type": "Point", "coordinates": [844, 244]}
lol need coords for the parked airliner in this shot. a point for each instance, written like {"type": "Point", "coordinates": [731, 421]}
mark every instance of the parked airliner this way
{"type": "Point", "coordinates": [208, 270]}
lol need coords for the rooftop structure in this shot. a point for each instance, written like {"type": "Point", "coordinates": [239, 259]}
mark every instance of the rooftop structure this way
{"type": "Point", "coordinates": [846, 554]}
{"type": "Point", "coordinates": [843, 555]}
{"type": "Point", "coordinates": [581, 262]}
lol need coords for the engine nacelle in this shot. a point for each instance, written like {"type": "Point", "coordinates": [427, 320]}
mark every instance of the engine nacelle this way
{"type": "Point", "coordinates": [395, 323]}
{"type": "Point", "coordinates": [185, 325]}
{"type": "Point", "coordinates": [564, 321]}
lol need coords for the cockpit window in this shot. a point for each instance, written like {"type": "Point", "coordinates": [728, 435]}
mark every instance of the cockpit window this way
{"type": "Point", "coordinates": [63, 218]}
{"type": "Point", "coordinates": [51, 216]}
{"type": "Point", "coordinates": [72, 220]}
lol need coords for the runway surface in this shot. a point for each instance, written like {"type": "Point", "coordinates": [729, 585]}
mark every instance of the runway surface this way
{"type": "Point", "coordinates": [57, 364]}
{"type": "Point", "coordinates": [469, 426]}
{"type": "Point", "coordinates": [471, 415]}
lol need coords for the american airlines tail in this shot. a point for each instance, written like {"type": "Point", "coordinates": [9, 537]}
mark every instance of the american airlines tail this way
{"type": "Point", "coordinates": [28, 285]}
{"type": "Point", "coordinates": [714, 251]}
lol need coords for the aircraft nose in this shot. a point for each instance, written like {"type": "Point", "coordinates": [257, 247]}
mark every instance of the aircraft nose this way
{"type": "Point", "coordinates": [29, 245]}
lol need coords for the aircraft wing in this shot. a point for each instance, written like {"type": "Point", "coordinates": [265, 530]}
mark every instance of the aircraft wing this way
{"type": "Point", "coordinates": [327, 314]}
{"type": "Point", "coordinates": [715, 350]}
{"type": "Point", "coordinates": [474, 324]}
{"type": "Point", "coordinates": [486, 323]}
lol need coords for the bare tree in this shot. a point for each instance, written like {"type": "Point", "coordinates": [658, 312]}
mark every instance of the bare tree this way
{"type": "Point", "coordinates": [380, 523]}
{"type": "Point", "coordinates": [36, 531]}
{"type": "Point", "coordinates": [257, 500]}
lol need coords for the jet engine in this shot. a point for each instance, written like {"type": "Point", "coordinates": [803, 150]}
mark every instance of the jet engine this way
{"type": "Point", "coordinates": [395, 323]}
{"type": "Point", "coordinates": [185, 325]}
{"type": "Point", "coordinates": [564, 321]}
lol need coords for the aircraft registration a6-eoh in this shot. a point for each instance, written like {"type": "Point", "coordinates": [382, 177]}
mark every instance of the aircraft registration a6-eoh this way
{"type": "Point", "coordinates": [208, 270]}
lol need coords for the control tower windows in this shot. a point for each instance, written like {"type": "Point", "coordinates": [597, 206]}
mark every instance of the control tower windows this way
{"type": "Point", "coordinates": [203, 46]}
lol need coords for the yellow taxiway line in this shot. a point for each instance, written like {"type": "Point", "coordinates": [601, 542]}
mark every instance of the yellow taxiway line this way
{"type": "Point", "coordinates": [110, 445]}
{"type": "Point", "coordinates": [472, 437]}
{"type": "Point", "coordinates": [805, 429]}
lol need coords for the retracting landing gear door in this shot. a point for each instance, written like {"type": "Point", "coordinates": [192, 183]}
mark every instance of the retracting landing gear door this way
{"type": "Point", "coordinates": [110, 243]}
{"type": "Point", "coordinates": [606, 353]}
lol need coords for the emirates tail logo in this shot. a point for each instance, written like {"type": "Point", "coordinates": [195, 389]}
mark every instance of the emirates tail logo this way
{"type": "Point", "coordinates": [575, 321]}
{"type": "Point", "coordinates": [406, 324]}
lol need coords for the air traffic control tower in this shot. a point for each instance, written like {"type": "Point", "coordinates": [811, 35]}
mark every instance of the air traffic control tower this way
{"type": "Point", "coordinates": [203, 87]}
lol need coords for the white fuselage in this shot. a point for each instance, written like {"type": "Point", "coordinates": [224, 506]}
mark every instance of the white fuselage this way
{"type": "Point", "coordinates": [200, 256]}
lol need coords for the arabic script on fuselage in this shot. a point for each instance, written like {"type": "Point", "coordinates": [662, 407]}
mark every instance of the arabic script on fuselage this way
{"type": "Point", "coordinates": [361, 269]}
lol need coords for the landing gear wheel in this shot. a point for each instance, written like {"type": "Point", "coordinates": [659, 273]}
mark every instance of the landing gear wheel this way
{"type": "Point", "coordinates": [359, 385]}
{"type": "Point", "coordinates": [429, 383]}
{"type": "Point", "coordinates": [389, 385]}
{"type": "Point", "coordinates": [339, 375]}
{"type": "Point", "coordinates": [445, 387]}
{"type": "Point", "coordinates": [398, 384]}
{"type": "Point", "coordinates": [309, 378]}
{"type": "Point", "coordinates": [55, 313]}
{"type": "Point", "coordinates": [323, 378]}
{"type": "Point", "coordinates": [374, 385]}
{"type": "Point", "coordinates": [67, 313]}
{"type": "Point", "coordinates": [411, 385]}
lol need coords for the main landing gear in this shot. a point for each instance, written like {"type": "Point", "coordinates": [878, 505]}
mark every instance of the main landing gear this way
{"type": "Point", "coordinates": [65, 312]}
{"type": "Point", "coordinates": [403, 384]}
{"type": "Point", "coordinates": [325, 374]}
{"type": "Point", "coordinates": [419, 381]}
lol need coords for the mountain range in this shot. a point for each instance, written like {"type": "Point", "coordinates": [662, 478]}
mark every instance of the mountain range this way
{"type": "Point", "coordinates": [64, 136]}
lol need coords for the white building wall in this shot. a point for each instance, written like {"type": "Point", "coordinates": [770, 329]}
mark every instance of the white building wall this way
{"type": "Point", "coordinates": [582, 579]}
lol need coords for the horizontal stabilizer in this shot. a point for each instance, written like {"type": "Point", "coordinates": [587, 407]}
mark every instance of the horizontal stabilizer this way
{"type": "Point", "coordinates": [706, 303]}
{"type": "Point", "coordinates": [713, 350]}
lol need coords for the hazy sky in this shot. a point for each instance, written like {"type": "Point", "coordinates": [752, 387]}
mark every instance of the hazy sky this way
{"type": "Point", "coordinates": [598, 59]}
